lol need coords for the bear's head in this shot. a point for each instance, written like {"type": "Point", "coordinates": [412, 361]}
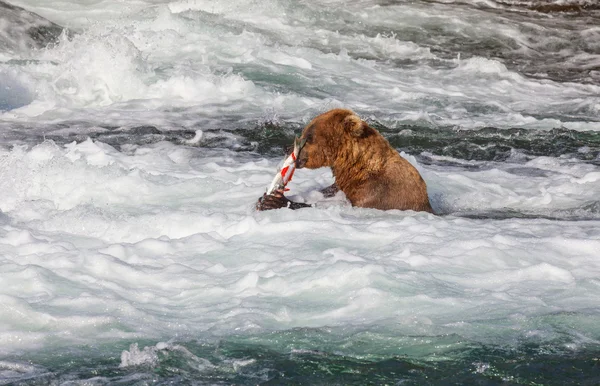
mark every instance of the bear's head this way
{"type": "Point", "coordinates": [329, 134]}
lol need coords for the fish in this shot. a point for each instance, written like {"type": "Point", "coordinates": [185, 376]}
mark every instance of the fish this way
{"type": "Point", "coordinates": [287, 169]}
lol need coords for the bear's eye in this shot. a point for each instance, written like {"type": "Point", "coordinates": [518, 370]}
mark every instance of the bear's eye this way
{"type": "Point", "coordinates": [309, 134]}
{"type": "Point", "coordinates": [309, 137]}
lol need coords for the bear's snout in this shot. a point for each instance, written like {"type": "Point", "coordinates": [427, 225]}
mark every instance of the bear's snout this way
{"type": "Point", "coordinates": [301, 160]}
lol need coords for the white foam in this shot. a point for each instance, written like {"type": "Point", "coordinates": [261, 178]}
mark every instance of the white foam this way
{"type": "Point", "coordinates": [161, 241]}
{"type": "Point", "coordinates": [135, 357]}
{"type": "Point", "coordinates": [138, 66]}
{"type": "Point", "coordinates": [118, 245]}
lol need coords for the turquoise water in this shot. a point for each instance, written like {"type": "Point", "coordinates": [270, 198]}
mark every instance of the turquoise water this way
{"type": "Point", "coordinates": [277, 359]}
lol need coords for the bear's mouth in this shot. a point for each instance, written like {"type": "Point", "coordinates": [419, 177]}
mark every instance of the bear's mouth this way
{"type": "Point", "coordinates": [300, 161]}
{"type": "Point", "coordinates": [299, 144]}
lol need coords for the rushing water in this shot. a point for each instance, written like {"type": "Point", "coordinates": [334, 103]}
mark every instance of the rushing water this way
{"type": "Point", "coordinates": [134, 145]}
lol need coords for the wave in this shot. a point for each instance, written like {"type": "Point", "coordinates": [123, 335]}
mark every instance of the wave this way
{"type": "Point", "coordinates": [21, 31]}
{"type": "Point", "coordinates": [189, 63]}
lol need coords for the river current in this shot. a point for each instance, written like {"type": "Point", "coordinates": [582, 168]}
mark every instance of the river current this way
{"type": "Point", "coordinates": [136, 136]}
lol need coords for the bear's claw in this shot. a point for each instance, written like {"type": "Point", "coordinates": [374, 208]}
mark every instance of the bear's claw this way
{"type": "Point", "coordinates": [277, 200]}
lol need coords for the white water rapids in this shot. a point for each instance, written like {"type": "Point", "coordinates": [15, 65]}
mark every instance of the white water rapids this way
{"type": "Point", "coordinates": [158, 241]}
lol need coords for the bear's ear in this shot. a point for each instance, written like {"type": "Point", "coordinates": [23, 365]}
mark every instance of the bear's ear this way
{"type": "Point", "coordinates": [354, 125]}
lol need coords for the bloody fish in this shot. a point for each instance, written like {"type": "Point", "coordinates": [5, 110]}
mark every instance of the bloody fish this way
{"type": "Point", "coordinates": [285, 173]}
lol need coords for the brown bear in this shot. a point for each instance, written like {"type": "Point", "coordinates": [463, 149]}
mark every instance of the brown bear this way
{"type": "Point", "coordinates": [366, 167]}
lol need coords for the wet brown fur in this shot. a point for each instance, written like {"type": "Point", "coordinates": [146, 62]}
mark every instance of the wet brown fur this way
{"type": "Point", "coordinates": [366, 168]}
